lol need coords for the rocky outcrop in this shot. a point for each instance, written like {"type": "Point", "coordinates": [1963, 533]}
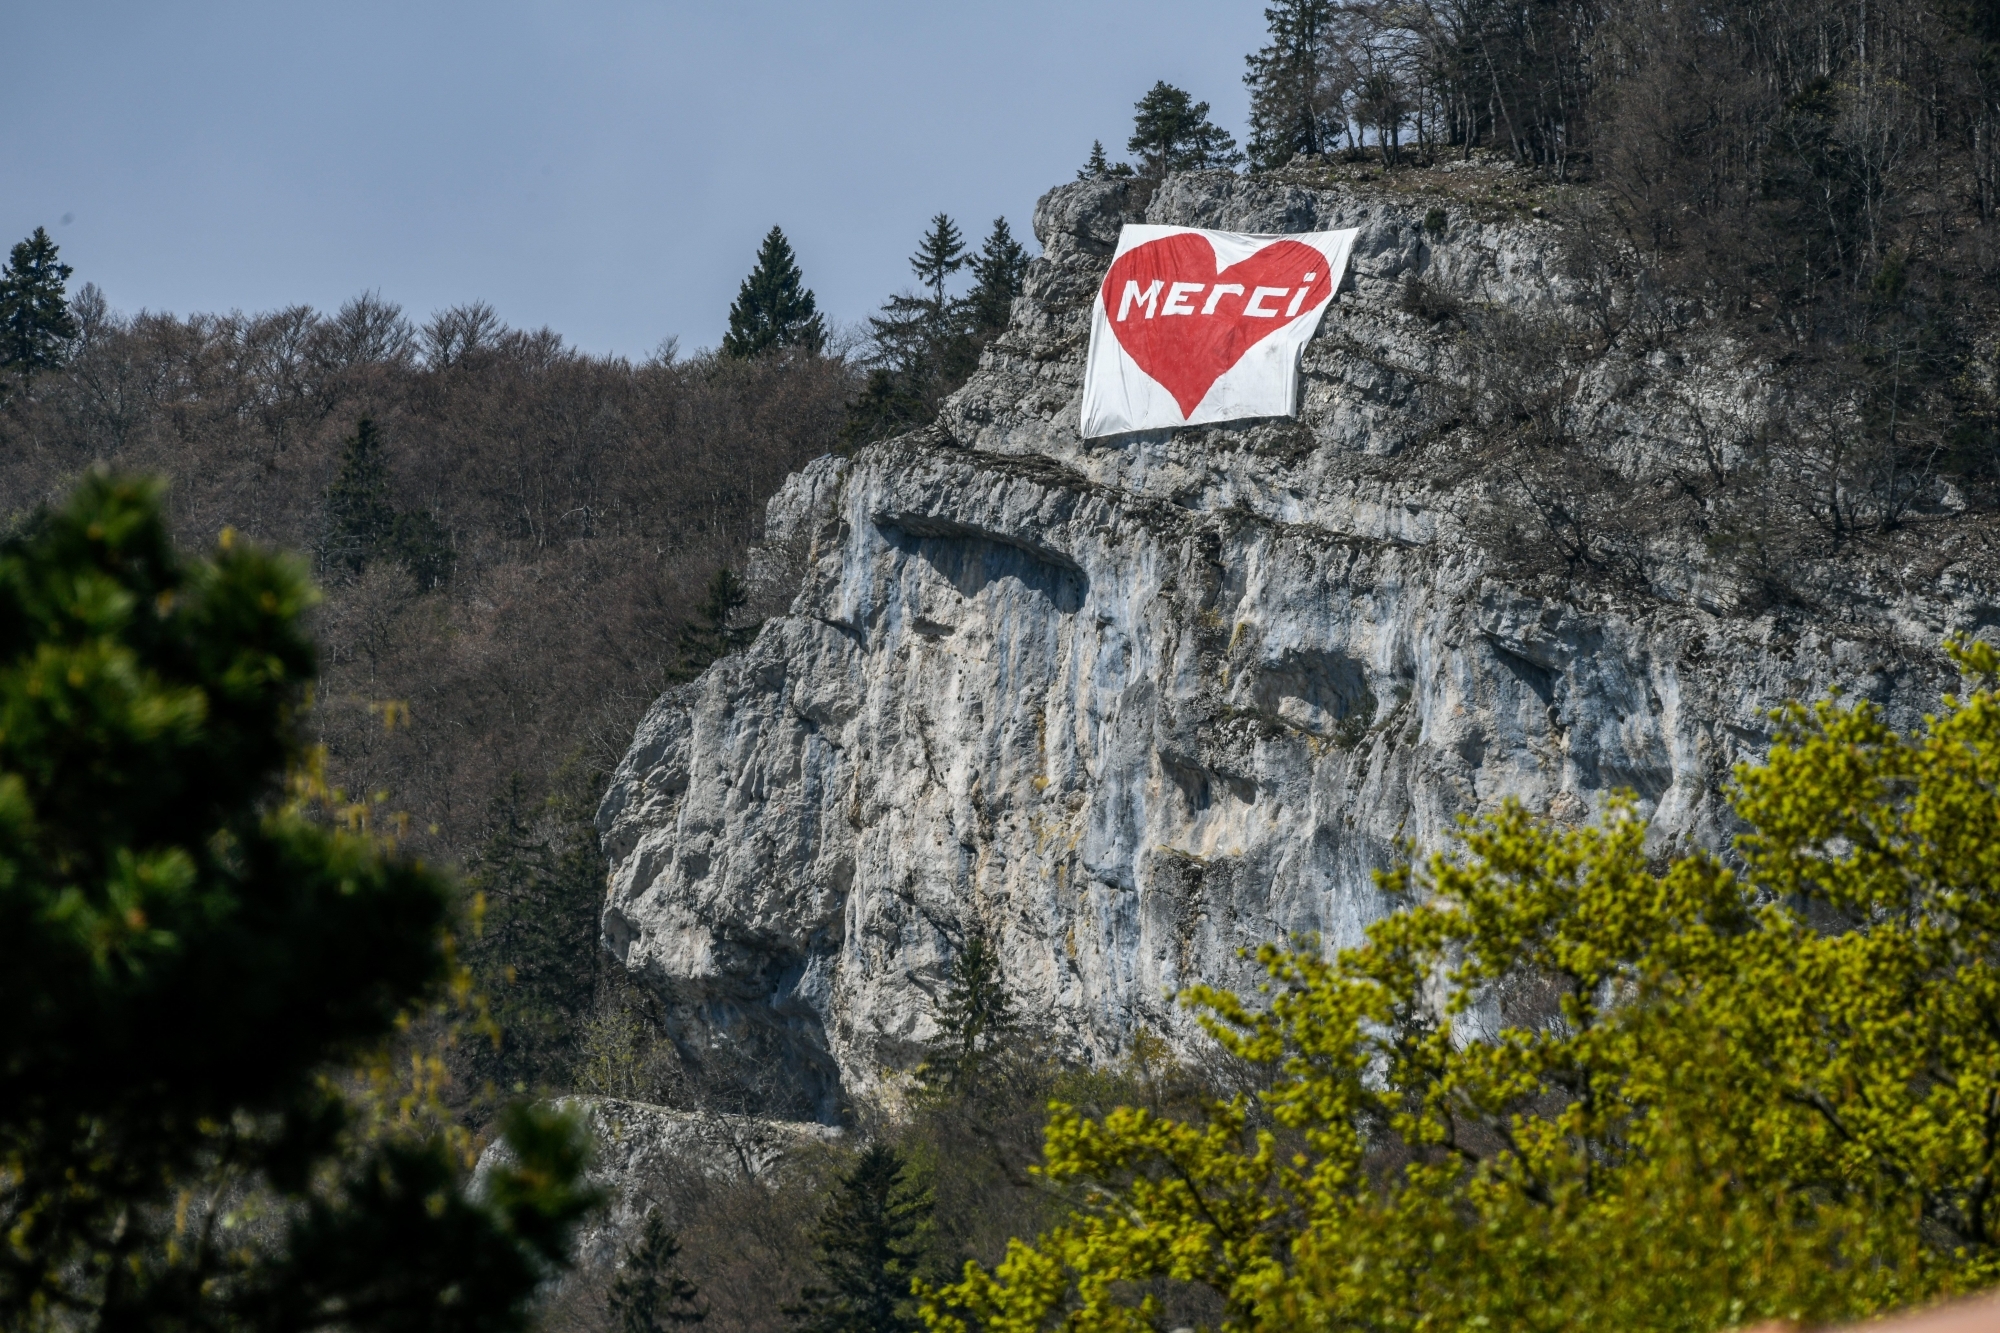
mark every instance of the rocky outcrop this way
{"type": "Point", "coordinates": [646, 1157]}
{"type": "Point", "coordinates": [1131, 706]}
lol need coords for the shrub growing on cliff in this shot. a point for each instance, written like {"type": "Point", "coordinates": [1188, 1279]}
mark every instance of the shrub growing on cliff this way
{"type": "Point", "coordinates": [186, 958]}
{"type": "Point", "coordinates": [1568, 1088]}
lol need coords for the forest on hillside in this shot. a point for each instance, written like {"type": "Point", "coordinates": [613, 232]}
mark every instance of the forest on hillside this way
{"type": "Point", "coordinates": [509, 533]}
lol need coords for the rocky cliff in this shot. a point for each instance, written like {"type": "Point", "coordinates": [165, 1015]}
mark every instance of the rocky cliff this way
{"type": "Point", "coordinates": [1132, 705]}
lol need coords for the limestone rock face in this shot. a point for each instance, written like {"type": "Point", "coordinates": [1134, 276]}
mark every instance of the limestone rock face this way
{"type": "Point", "coordinates": [1132, 705]}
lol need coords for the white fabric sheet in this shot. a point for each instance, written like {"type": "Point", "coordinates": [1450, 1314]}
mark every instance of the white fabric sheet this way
{"type": "Point", "coordinates": [1192, 326]}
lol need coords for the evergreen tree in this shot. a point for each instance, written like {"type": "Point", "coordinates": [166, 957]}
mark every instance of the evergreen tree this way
{"type": "Point", "coordinates": [36, 324]}
{"type": "Point", "coordinates": [889, 404]}
{"type": "Point", "coordinates": [650, 1293]}
{"type": "Point", "coordinates": [977, 1025]}
{"type": "Point", "coordinates": [1100, 167]}
{"type": "Point", "coordinates": [773, 307]}
{"type": "Point", "coordinates": [187, 961]}
{"type": "Point", "coordinates": [362, 524]}
{"type": "Point", "coordinates": [1297, 95]}
{"type": "Point", "coordinates": [940, 254]}
{"type": "Point", "coordinates": [923, 344]}
{"type": "Point", "coordinates": [360, 521]}
{"type": "Point", "coordinates": [868, 1247]}
{"type": "Point", "coordinates": [422, 546]}
{"type": "Point", "coordinates": [541, 881]}
{"type": "Point", "coordinates": [1171, 132]}
{"type": "Point", "coordinates": [709, 636]}
{"type": "Point", "coordinates": [997, 270]}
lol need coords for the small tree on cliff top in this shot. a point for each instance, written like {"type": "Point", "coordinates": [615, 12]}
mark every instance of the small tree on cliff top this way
{"type": "Point", "coordinates": [1172, 132]}
{"type": "Point", "coordinates": [998, 271]}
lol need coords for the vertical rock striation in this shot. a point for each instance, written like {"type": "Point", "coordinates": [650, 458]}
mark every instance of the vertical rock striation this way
{"type": "Point", "coordinates": [1130, 706]}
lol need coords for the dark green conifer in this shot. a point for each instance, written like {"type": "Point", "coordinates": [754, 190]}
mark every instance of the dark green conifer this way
{"type": "Point", "coordinates": [542, 882]}
{"type": "Point", "coordinates": [869, 1244]}
{"type": "Point", "coordinates": [940, 254]}
{"type": "Point", "coordinates": [36, 324]}
{"type": "Point", "coordinates": [423, 546]}
{"type": "Point", "coordinates": [977, 1023]}
{"type": "Point", "coordinates": [997, 270]}
{"type": "Point", "coordinates": [923, 344]}
{"type": "Point", "coordinates": [650, 1293]}
{"type": "Point", "coordinates": [360, 521]}
{"type": "Point", "coordinates": [708, 635]}
{"type": "Point", "coordinates": [773, 308]}
{"type": "Point", "coordinates": [362, 524]}
{"type": "Point", "coordinates": [1296, 92]}
{"type": "Point", "coordinates": [1100, 167]}
{"type": "Point", "coordinates": [1171, 132]}
{"type": "Point", "coordinates": [889, 404]}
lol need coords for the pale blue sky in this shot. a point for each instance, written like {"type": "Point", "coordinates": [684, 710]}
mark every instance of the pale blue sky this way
{"type": "Point", "coordinates": [604, 167]}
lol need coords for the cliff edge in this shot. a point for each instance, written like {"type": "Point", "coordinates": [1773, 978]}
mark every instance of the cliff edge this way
{"type": "Point", "coordinates": [1132, 705]}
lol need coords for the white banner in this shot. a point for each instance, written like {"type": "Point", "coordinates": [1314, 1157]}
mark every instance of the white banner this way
{"type": "Point", "coordinates": [1194, 326]}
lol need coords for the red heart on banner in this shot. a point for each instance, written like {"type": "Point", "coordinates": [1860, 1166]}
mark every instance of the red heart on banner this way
{"type": "Point", "coordinates": [1185, 324]}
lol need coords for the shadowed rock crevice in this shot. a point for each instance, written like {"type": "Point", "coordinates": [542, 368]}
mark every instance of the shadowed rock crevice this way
{"type": "Point", "coordinates": [969, 559]}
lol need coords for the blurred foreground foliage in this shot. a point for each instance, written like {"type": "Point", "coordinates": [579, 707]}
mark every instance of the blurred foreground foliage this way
{"type": "Point", "coordinates": [202, 1125]}
{"type": "Point", "coordinates": [1571, 1085]}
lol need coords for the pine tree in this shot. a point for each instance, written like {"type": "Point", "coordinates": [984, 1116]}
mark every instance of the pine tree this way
{"type": "Point", "coordinates": [889, 404]}
{"type": "Point", "coordinates": [1171, 132]}
{"type": "Point", "coordinates": [997, 270]}
{"type": "Point", "coordinates": [868, 1246]}
{"type": "Point", "coordinates": [360, 521]}
{"type": "Point", "coordinates": [1100, 167]}
{"type": "Point", "coordinates": [541, 883]}
{"type": "Point", "coordinates": [773, 307]}
{"type": "Point", "coordinates": [362, 524]}
{"type": "Point", "coordinates": [923, 344]}
{"type": "Point", "coordinates": [709, 636]}
{"type": "Point", "coordinates": [650, 1293]}
{"type": "Point", "coordinates": [1297, 94]}
{"type": "Point", "coordinates": [36, 324]}
{"type": "Point", "coordinates": [977, 1023]}
{"type": "Point", "coordinates": [940, 254]}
